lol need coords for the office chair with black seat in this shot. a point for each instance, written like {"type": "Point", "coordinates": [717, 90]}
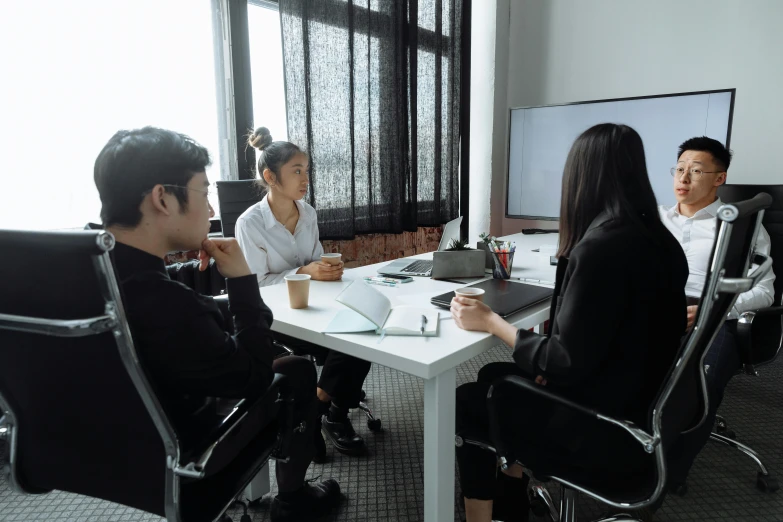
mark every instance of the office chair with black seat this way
{"type": "Point", "coordinates": [759, 332]}
{"type": "Point", "coordinates": [81, 414]}
{"type": "Point", "coordinates": [680, 406]}
{"type": "Point", "coordinates": [234, 197]}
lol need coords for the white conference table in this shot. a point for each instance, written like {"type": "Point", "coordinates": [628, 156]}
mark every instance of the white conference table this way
{"type": "Point", "coordinates": [433, 359]}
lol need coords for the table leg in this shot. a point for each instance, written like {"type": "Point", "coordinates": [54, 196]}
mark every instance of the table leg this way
{"type": "Point", "coordinates": [439, 418]}
{"type": "Point", "coordinates": [259, 486]}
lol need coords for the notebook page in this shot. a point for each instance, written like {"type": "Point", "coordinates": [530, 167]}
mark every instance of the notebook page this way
{"type": "Point", "coordinates": [407, 320]}
{"type": "Point", "coordinates": [366, 300]}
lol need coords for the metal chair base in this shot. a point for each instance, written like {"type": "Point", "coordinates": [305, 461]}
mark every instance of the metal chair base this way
{"type": "Point", "coordinates": [765, 481]}
{"type": "Point", "coordinates": [541, 504]}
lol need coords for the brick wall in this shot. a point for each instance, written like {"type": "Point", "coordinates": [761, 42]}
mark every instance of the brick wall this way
{"type": "Point", "coordinates": [374, 248]}
{"type": "Point", "coordinates": [366, 249]}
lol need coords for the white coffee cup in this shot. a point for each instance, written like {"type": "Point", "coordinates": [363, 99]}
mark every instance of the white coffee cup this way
{"type": "Point", "coordinates": [331, 259]}
{"type": "Point", "coordinates": [471, 293]}
{"type": "Point", "coordinates": [298, 290]}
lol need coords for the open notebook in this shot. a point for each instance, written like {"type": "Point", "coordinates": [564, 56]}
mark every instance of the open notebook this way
{"type": "Point", "coordinates": [369, 310]}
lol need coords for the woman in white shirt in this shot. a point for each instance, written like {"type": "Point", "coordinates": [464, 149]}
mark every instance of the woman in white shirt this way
{"type": "Point", "coordinates": [279, 236]}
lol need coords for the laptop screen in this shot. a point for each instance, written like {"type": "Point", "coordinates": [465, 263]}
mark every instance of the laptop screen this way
{"type": "Point", "coordinates": [450, 231]}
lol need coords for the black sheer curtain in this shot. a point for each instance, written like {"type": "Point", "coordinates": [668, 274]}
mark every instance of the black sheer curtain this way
{"type": "Point", "coordinates": [376, 102]}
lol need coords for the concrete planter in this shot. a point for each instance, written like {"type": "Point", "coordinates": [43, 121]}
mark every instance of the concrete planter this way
{"type": "Point", "coordinates": [458, 263]}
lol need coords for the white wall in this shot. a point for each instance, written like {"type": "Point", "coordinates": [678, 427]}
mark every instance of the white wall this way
{"type": "Point", "coordinates": [563, 51]}
{"type": "Point", "coordinates": [483, 102]}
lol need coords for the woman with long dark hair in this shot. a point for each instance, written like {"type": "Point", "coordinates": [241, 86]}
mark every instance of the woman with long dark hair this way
{"type": "Point", "coordinates": [618, 313]}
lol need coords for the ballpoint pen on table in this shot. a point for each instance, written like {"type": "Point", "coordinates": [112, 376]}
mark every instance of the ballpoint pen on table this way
{"type": "Point", "coordinates": [423, 322]}
{"type": "Point", "coordinates": [531, 280]}
{"type": "Point", "coordinates": [381, 283]}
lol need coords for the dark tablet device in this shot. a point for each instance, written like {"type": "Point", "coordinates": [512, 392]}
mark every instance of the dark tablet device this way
{"type": "Point", "coordinates": [505, 297]}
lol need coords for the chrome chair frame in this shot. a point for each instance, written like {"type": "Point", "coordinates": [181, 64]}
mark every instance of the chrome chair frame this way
{"type": "Point", "coordinates": [114, 320]}
{"type": "Point", "coordinates": [716, 284]}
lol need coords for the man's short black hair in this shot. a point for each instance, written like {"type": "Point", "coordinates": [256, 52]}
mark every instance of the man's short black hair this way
{"type": "Point", "coordinates": [721, 154]}
{"type": "Point", "coordinates": [134, 161]}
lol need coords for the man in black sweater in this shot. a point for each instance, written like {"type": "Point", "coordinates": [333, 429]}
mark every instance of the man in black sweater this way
{"type": "Point", "coordinates": [154, 194]}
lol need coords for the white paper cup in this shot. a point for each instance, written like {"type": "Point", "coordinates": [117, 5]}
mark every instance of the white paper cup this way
{"type": "Point", "coordinates": [331, 259]}
{"type": "Point", "coordinates": [471, 293]}
{"type": "Point", "coordinates": [298, 290]}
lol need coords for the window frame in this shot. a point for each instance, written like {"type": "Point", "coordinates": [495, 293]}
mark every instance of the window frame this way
{"type": "Point", "coordinates": [240, 75]}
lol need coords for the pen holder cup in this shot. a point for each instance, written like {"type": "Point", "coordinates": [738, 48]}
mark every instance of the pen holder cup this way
{"type": "Point", "coordinates": [502, 262]}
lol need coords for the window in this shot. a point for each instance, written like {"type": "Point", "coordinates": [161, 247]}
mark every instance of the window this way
{"type": "Point", "coordinates": [266, 62]}
{"type": "Point", "coordinates": [79, 71]}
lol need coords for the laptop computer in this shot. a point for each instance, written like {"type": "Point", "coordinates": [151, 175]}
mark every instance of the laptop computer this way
{"type": "Point", "coordinates": [503, 296]}
{"type": "Point", "coordinates": [423, 267]}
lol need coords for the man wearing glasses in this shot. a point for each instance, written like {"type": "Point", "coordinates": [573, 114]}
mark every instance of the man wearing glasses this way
{"type": "Point", "coordinates": [154, 195]}
{"type": "Point", "coordinates": [701, 168]}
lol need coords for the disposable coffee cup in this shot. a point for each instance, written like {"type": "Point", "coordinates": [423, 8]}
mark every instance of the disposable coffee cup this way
{"type": "Point", "coordinates": [331, 259]}
{"type": "Point", "coordinates": [298, 290]}
{"type": "Point", "coordinates": [471, 293]}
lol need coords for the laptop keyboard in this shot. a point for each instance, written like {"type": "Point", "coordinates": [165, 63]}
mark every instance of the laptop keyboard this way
{"type": "Point", "coordinates": [418, 267]}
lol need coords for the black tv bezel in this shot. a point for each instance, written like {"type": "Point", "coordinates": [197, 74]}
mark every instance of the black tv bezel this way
{"type": "Point", "coordinates": [733, 92]}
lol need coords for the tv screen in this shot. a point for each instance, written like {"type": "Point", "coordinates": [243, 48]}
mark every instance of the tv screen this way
{"type": "Point", "coordinates": [540, 138]}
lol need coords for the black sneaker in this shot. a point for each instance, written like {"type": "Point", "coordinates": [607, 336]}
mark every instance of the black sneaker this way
{"type": "Point", "coordinates": [343, 436]}
{"type": "Point", "coordinates": [312, 502]}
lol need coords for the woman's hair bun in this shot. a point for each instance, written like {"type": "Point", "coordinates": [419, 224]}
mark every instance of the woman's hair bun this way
{"type": "Point", "coordinates": [260, 138]}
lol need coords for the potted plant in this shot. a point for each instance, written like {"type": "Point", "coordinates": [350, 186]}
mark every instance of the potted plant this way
{"type": "Point", "coordinates": [458, 260]}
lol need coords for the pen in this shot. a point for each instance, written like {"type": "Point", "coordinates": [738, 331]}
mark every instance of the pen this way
{"type": "Point", "coordinates": [393, 285]}
{"type": "Point", "coordinates": [423, 322]}
{"type": "Point", "coordinates": [541, 281]}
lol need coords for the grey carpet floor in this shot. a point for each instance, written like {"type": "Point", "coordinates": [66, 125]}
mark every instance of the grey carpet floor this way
{"type": "Point", "coordinates": [387, 484]}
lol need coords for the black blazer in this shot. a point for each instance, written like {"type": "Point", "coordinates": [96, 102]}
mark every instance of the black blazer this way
{"type": "Point", "coordinates": [181, 335]}
{"type": "Point", "coordinates": [618, 313]}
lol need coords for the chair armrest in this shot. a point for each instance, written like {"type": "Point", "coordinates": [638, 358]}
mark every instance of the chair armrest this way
{"type": "Point", "coordinates": [749, 352]}
{"type": "Point", "coordinates": [646, 440]}
{"type": "Point", "coordinates": [201, 450]}
{"type": "Point", "coordinates": [769, 311]}
{"type": "Point", "coordinates": [284, 350]}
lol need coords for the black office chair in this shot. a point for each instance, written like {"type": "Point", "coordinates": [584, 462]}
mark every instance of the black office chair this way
{"type": "Point", "coordinates": [759, 332]}
{"type": "Point", "coordinates": [81, 414]}
{"type": "Point", "coordinates": [234, 197]}
{"type": "Point", "coordinates": [675, 407]}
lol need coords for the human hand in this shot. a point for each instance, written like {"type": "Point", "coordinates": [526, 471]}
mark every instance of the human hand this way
{"type": "Point", "coordinates": [472, 314]}
{"type": "Point", "coordinates": [320, 271]}
{"type": "Point", "coordinates": [227, 255]}
{"type": "Point", "coordinates": [692, 315]}
{"type": "Point", "coordinates": [540, 380]}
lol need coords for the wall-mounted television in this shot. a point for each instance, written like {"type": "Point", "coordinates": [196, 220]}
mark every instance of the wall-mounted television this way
{"type": "Point", "coordinates": [541, 137]}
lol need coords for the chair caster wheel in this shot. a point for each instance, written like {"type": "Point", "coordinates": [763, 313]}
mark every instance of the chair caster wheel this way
{"type": "Point", "coordinates": [766, 483]}
{"type": "Point", "coordinates": [722, 428]}
{"type": "Point", "coordinates": [374, 425]}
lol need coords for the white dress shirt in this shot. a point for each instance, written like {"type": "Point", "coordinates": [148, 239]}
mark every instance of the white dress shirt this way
{"type": "Point", "coordinates": [696, 234]}
{"type": "Point", "coordinates": [270, 249]}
